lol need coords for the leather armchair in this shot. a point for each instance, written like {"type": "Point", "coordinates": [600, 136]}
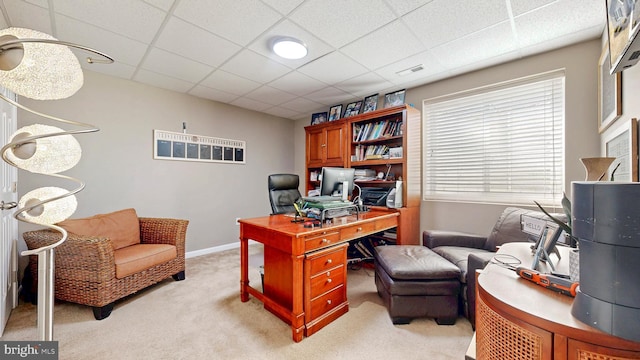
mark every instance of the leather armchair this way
{"type": "Point", "coordinates": [472, 252]}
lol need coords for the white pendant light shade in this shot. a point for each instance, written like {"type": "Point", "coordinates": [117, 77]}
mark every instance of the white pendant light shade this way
{"type": "Point", "coordinates": [37, 70]}
{"type": "Point", "coordinates": [49, 213]}
{"type": "Point", "coordinates": [47, 155]}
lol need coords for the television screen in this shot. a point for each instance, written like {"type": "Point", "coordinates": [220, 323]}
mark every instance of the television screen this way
{"type": "Point", "coordinates": [623, 20]}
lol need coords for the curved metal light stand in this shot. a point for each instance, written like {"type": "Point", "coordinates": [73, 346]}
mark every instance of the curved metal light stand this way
{"type": "Point", "coordinates": [57, 204]}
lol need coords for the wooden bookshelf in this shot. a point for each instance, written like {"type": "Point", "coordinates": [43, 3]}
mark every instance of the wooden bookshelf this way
{"type": "Point", "coordinates": [341, 144]}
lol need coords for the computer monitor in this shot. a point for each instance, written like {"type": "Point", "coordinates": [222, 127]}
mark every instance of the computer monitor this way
{"type": "Point", "coordinates": [333, 179]}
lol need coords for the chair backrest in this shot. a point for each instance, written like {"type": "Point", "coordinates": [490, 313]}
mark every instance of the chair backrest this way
{"type": "Point", "coordinates": [508, 227]}
{"type": "Point", "coordinates": [283, 192]}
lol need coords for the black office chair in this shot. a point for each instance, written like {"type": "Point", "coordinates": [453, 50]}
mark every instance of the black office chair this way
{"type": "Point", "coordinates": [283, 192]}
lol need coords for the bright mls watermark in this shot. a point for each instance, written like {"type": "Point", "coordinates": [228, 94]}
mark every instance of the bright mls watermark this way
{"type": "Point", "coordinates": [39, 350]}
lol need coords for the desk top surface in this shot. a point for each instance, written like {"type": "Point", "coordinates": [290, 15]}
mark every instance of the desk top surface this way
{"type": "Point", "coordinates": [283, 224]}
{"type": "Point", "coordinates": [547, 308]}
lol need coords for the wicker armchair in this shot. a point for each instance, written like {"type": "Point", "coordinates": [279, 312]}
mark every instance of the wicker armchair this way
{"type": "Point", "coordinates": [85, 269]}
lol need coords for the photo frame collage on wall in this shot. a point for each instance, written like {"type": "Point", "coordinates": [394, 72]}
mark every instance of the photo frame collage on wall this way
{"type": "Point", "coordinates": [169, 145]}
{"type": "Point", "coordinates": [368, 104]}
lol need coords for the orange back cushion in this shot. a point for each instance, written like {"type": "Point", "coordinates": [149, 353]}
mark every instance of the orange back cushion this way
{"type": "Point", "coordinates": [122, 227]}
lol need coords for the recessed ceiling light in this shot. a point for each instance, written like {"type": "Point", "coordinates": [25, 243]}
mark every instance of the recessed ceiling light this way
{"type": "Point", "coordinates": [289, 48]}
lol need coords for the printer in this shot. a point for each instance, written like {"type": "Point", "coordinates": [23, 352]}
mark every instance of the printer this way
{"type": "Point", "coordinates": [374, 196]}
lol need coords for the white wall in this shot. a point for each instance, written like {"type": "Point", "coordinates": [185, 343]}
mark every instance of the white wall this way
{"type": "Point", "coordinates": [582, 140]}
{"type": "Point", "coordinates": [120, 172]}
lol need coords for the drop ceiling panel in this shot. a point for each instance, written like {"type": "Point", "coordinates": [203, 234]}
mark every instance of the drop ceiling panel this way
{"type": "Point", "coordinates": [396, 40]}
{"type": "Point", "coordinates": [122, 49]}
{"type": "Point", "coordinates": [340, 22]}
{"type": "Point", "coordinates": [251, 65]}
{"type": "Point", "coordinates": [441, 21]}
{"type": "Point", "coordinates": [270, 95]}
{"type": "Point", "coordinates": [328, 96]}
{"type": "Point", "coordinates": [247, 103]}
{"type": "Point", "coordinates": [486, 44]}
{"type": "Point", "coordinates": [231, 83]}
{"type": "Point", "coordinates": [406, 6]}
{"type": "Point", "coordinates": [162, 4]}
{"type": "Point", "coordinates": [303, 105]}
{"type": "Point", "coordinates": [540, 26]}
{"type": "Point", "coordinates": [363, 85]}
{"type": "Point", "coordinates": [240, 21]}
{"type": "Point", "coordinates": [190, 41]}
{"type": "Point", "coordinates": [162, 81]}
{"type": "Point", "coordinates": [132, 18]}
{"type": "Point", "coordinates": [297, 83]}
{"type": "Point", "coordinates": [333, 68]}
{"type": "Point", "coordinates": [22, 14]}
{"type": "Point", "coordinates": [521, 7]}
{"type": "Point", "coordinates": [283, 6]}
{"type": "Point", "coordinates": [163, 62]}
{"type": "Point", "coordinates": [282, 112]}
{"type": "Point", "coordinates": [213, 94]}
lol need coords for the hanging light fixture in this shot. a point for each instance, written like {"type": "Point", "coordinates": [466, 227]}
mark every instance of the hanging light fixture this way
{"type": "Point", "coordinates": [38, 66]}
{"type": "Point", "coordinates": [289, 48]}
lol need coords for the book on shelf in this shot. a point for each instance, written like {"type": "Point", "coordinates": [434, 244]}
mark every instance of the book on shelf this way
{"type": "Point", "coordinates": [376, 130]}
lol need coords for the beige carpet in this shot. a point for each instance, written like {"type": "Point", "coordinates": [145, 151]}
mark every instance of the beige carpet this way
{"type": "Point", "coordinates": [202, 317]}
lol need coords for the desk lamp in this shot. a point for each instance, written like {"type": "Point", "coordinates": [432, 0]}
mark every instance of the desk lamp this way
{"type": "Point", "coordinates": [40, 67]}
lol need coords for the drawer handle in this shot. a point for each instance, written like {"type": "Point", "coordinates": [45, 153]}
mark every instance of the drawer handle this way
{"type": "Point", "coordinates": [329, 302]}
{"type": "Point", "coordinates": [329, 261]}
{"type": "Point", "coordinates": [324, 241]}
{"type": "Point", "coordinates": [359, 229]}
{"type": "Point", "coordinates": [329, 281]}
{"type": "Point", "coordinates": [328, 273]}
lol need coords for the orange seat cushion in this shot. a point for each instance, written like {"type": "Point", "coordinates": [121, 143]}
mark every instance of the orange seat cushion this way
{"type": "Point", "coordinates": [121, 227]}
{"type": "Point", "coordinates": [136, 258]}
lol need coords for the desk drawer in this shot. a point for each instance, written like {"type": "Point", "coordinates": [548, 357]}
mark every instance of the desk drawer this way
{"type": "Point", "coordinates": [328, 301]}
{"type": "Point", "coordinates": [327, 280]}
{"type": "Point", "coordinates": [323, 240]}
{"type": "Point", "coordinates": [353, 232]}
{"type": "Point", "coordinates": [327, 261]}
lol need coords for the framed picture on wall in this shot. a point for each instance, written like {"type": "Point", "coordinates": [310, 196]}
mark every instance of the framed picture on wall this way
{"type": "Point", "coordinates": [621, 142]}
{"type": "Point", "coordinates": [609, 92]}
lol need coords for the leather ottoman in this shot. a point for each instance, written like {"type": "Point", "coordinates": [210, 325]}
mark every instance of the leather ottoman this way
{"type": "Point", "coordinates": [414, 282]}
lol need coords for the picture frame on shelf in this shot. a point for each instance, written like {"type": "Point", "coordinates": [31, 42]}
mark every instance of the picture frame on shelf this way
{"type": "Point", "coordinates": [334, 112]}
{"type": "Point", "coordinates": [609, 92]}
{"type": "Point", "coordinates": [353, 108]}
{"type": "Point", "coordinates": [395, 98]}
{"type": "Point", "coordinates": [370, 103]}
{"type": "Point", "coordinates": [318, 118]}
{"type": "Point", "coordinates": [621, 142]}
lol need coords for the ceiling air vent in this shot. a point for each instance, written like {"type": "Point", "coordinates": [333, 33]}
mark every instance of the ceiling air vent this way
{"type": "Point", "coordinates": [410, 70]}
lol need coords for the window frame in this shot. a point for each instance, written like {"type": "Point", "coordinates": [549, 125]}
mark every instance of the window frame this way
{"type": "Point", "coordinates": [550, 196]}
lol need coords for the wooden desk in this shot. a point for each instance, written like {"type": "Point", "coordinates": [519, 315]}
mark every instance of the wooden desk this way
{"type": "Point", "coordinates": [305, 274]}
{"type": "Point", "coordinates": [517, 319]}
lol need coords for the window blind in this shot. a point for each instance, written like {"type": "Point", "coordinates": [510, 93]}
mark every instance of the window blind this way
{"type": "Point", "coordinates": [499, 144]}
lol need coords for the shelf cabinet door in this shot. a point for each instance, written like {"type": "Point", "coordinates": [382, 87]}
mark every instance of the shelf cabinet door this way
{"type": "Point", "coordinates": [326, 146]}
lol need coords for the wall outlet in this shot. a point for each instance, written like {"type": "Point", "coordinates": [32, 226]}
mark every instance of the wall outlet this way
{"type": "Point", "coordinates": [237, 221]}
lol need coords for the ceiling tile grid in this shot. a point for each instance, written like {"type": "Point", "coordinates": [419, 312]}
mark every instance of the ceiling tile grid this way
{"type": "Point", "coordinates": [220, 50]}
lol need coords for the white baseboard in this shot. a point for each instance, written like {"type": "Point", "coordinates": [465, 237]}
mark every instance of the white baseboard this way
{"type": "Point", "coordinates": [214, 249]}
